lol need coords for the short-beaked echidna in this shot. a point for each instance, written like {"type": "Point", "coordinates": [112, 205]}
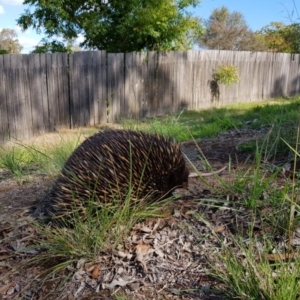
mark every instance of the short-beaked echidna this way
{"type": "Point", "coordinates": [106, 165]}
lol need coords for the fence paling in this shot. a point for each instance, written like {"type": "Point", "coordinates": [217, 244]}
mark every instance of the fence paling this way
{"type": "Point", "coordinates": [45, 92]}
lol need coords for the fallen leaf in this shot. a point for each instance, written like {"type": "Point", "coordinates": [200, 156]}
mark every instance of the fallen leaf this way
{"type": "Point", "coordinates": [3, 257]}
{"type": "Point", "coordinates": [190, 212]}
{"type": "Point", "coordinates": [141, 249]}
{"type": "Point", "coordinates": [119, 282]}
{"type": "Point", "coordinates": [95, 273]}
{"type": "Point", "coordinates": [146, 229]}
{"type": "Point", "coordinates": [219, 228]}
{"type": "Point", "coordinates": [282, 256]}
{"type": "Point", "coordinates": [4, 288]}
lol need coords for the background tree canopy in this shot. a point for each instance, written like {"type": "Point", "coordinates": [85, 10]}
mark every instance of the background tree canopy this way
{"type": "Point", "coordinates": [281, 38]}
{"type": "Point", "coordinates": [9, 44]}
{"type": "Point", "coordinates": [229, 31]}
{"type": "Point", "coordinates": [46, 46]}
{"type": "Point", "coordinates": [116, 25]}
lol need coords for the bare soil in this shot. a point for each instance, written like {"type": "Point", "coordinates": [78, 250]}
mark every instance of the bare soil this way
{"type": "Point", "coordinates": [162, 259]}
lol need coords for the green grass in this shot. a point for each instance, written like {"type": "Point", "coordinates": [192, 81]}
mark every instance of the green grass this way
{"type": "Point", "coordinates": [251, 275]}
{"type": "Point", "coordinates": [21, 159]}
{"type": "Point", "coordinates": [279, 116]}
{"type": "Point", "coordinates": [254, 264]}
{"type": "Point", "coordinates": [13, 160]}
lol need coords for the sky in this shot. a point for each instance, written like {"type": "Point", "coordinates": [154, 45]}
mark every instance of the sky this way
{"type": "Point", "coordinates": [257, 13]}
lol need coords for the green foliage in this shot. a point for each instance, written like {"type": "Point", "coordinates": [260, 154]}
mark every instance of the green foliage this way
{"type": "Point", "coordinates": [116, 25]}
{"type": "Point", "coordinates": [2, 51]}
{"type": "Point", "coordinates": [279, 37]}
{"type": "Point", "coordinates": [52, 47]}
{"type": "Point", "coordinates": [227, 74]}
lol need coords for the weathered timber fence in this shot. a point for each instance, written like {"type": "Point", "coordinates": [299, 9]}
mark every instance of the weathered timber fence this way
{"type": "Point", "coordinates": [45, 92]}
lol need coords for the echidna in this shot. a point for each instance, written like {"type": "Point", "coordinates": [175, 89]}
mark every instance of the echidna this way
{"type": "Point", "coordinates": [106, 165]}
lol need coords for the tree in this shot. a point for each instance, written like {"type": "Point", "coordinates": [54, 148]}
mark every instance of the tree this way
{"type": "Point", "coordinates": [46, 46]}
{"type": "Point", "coordinates": [9, 41]}
{"type": "Point", "coordinates": [279, 37]}
{"type": "Point", "coordinates": [229, 31]}
{"type": "Point", "coordinates": [116, 25]}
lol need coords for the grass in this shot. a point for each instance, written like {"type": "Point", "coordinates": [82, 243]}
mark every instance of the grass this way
{"type": "Point", "coordinates": [13, 160]}
{"type": "Point", "coordinates": [251, 275]}
{"type": "Point", "coordinates": [48, 158]}
{"type": "Point", "coordinates": [244, 265]}
{"type": "Point", "coordinates": [279, 116]}
{"type": "Point", "coordinates": [253, 264]}
{"type": "Point", "coordinates": [257, 263]}
{"type": "Point", "coordinates": [101, 231]}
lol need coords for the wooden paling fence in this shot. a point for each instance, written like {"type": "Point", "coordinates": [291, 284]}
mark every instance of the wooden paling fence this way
{"type": "Point", "coordinates": [45, 92]}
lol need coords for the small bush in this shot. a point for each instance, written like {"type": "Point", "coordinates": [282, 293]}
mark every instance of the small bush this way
{"type": "Point", "coordinates": [227, 74]}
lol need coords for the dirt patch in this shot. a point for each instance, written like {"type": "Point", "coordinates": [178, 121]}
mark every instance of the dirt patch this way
{"type": "Point", "coordinates": [173, 263]}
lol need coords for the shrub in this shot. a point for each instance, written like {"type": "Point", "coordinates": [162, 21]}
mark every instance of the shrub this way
{"type": "Point", "coordinates": [227, 74]}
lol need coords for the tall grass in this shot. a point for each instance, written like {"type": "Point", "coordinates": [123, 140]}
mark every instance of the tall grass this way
{"type": "Point", "coordinates": [14, 160]}
{"type": "Point", "coordinates": [21, 159]}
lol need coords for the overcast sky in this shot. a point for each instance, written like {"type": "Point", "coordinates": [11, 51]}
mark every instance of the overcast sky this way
{"type": "Point", "coordinates": [257, 13]}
